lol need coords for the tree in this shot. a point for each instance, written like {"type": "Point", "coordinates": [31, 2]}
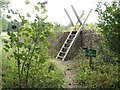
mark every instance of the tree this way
{"type": "Point", "coordinates": [109, 22]}
{"type": "Point", "coordinates": [30, 45]}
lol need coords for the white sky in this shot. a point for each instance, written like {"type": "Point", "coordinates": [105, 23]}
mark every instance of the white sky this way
{"type": "Point", "coordinates": [56, 9]}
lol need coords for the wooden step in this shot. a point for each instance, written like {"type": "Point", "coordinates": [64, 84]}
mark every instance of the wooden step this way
{"type": "Point", "coordinates": [59, 57]}
{"type": "Point", "coordinates": [62, 52]}
{"type": "Point", "coordinates": [70, 39]}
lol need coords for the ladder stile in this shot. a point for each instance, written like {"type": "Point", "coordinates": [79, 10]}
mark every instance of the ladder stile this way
{"type": "Point", "coordinates": [62, 54]}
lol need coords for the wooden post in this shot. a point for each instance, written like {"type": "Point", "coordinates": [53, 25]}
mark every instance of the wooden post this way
{"type": "Point", "coordinates": [90, 60]}
{"type": "Point", "coordinates": [76, 15]}
{"type": "Point", "coordinates": [69, 17]}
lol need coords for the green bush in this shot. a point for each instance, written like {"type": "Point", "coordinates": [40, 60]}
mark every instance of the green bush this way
{"type": "Point", "coordinates": [48, 76]}
{"type": "Point", "coordinates": [9, 71]}
{"type": "Point", "coordinates": [109, 24]}
{"type": "Point", "coordinates": [103, 75]}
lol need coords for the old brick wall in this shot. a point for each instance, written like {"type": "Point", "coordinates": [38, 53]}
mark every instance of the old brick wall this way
{"type": "Point", "coordinates": [88, 36]}
{"type": "Point", "coordinates": [83, 40]}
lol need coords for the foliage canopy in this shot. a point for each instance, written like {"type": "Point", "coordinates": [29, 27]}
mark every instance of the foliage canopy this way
{"type": "Point", "coordinates": [109, 22]}
{"type": "Point", "coordinates": [27, 48]}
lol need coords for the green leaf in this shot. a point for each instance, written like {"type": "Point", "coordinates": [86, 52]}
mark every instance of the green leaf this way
{"type": "Point", "coordinates": [12, 11]}
{"type": "Point", "coordinates": [38, 3]}
{"type": "Point", "coordinates": [5, 41]}
{"type": "Point", "coordinates": [5, 49]}
{"type": "Point", "coordinates": [26, 34]}
{"type": "Point", "coordinates": [8, 11]}
{"type": "Point", "coordinates": [8, 16]}
{"type": "Point", "coordinates": [7, 46]}
{"type": "Point", "coordinates": [36, 8]}
{"type": "Point", "coordinates": [19, 45]}
{"type": "Point", "coordinates": [12, 35]}
{"type": "Point", "coordinates": [28, 15]}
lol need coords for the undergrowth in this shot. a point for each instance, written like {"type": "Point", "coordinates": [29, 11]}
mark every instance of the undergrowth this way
{"type": "Point", "coordinates": [101, 75]}
{"type": "Point", "coordinates": [48, 75]}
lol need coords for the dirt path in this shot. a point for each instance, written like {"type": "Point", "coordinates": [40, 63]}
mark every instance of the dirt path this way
{"type": "Point", "coordinates": [69, 73]}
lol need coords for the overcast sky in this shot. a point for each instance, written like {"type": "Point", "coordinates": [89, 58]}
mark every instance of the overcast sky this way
{"type": "Point", "coordinates": [56, 9]}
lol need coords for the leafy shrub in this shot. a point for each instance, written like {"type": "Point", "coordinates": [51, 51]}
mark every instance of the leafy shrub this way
{"type": "Point", "coordinates": [107, 55]}
{"type": "Point", "coordinates": [9, 71]}
{"type": "Point", "coordinates": [109, 23]}
{"type": "Point", "coordinates": [25, 62]}
{"type": "Point", "coordinates": [103, 75]}
{"type": "Point", "coordinates": [29, 43]}
{"type": "Point", "coordinates": [47, 76]}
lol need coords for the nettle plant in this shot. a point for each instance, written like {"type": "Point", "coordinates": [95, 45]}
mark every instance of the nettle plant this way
{"type": "Point", "coordinates": [29, 44]}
